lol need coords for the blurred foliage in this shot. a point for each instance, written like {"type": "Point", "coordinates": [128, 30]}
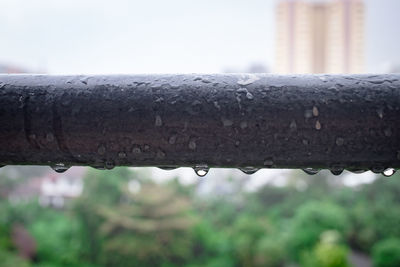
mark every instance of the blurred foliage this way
{"type": "Point", "coordinates": [123, 218]}
{"type": "Point", "coordinates": [386, 253]}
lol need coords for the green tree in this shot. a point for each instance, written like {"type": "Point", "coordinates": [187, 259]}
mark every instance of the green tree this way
{"type": "Point", "coordinates": [310, 221]}
{"type": "Point", "coordinates": [386, 253]}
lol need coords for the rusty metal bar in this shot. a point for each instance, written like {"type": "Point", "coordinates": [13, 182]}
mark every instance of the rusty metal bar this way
{"type": "Point", "coordinates": [247, 121]}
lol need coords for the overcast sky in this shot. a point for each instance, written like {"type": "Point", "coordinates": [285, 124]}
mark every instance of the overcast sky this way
{"type": "Point", "coordinates": [125, 36]}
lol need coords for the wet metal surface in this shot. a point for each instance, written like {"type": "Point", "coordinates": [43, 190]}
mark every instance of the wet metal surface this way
{"type": "Point", "coordinates": [246, 121]}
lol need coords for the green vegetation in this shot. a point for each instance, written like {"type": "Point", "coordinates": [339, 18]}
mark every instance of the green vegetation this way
{"type": "Point", "coordinates": [123, 218]}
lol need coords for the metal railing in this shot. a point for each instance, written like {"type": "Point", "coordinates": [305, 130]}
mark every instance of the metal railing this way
{"type": "Point", "coordinates": [246, 121]}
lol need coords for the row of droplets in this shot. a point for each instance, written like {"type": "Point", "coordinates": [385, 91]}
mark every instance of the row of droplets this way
{"type": "Point", "coordinates": [202, 169]}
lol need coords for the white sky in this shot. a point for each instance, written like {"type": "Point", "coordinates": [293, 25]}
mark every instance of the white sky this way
{"type": "Point", "coordinates": [122, 36]}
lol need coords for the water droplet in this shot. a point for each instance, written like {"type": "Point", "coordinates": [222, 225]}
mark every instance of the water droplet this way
{"type": "Point", "coordinates": [136, 150]}
{"type": "Point", "coordinates": [293, 125]}
{"type": "Point", "coordinates": [388, 132]}
{"type": "Point", "coordinates": [336, 170]}
{"type": "Point", "coordinates": [101, 150]}
{"type": "Point", "coordinates": [160, 154]}
{"type": "Point", "coordinates": [308, 114]}
{"type": "Point", "coordinates": [192, 144]}
{"type": "Point", "coordinates": [379, 111]}
{"type": "Point", "coordinates": [172, 139]}
{"type": "Point", "coordinates": [158, 121]}
{"type": "Point", "coordinates": [306, 142]}
{"type": "Point", "coordinates": [167, 168]}
{"type": "Point", "coordinates": [122, 155]}
{"type": "Point", "coordinates": [84, 80]}
{"type": "Point", "coordinates": [268, 162]}
{"type": "Point", "coordinates": [250, 79]}
{"type": "Point", "coordinates": [49, 137]}
{"type": "Point", "coordinates": [318, 125]}
{"type": "Point", "coordinates": [226, 122]}
{"type": "Point", "coordinates": [109, 165]}
{"type": "Point", "coordinates": [311, 171]}
{"type": "Point", "coordinates": [201, 170]}
{"type": "Point", "coordinates": [146, 147]}
{"type": "Point", "coordinates": [216, 105]}
{"type": "Point", "coordinates": [60, 167]}
{"type": "Point", "coordinates": [377, 169]}
{"type": "Point", "coordinates": [357, 171]}
{"type": "Point", "coordinates": [315, 111]}
{"type": "Point", "coordinates": [388, 172]}
{"type": "Point", "coordinates": [339, 141]}
{"type": "Point", "coordinates": [249, 170]}
{"type": "Point", "coordinates": [249, 96]}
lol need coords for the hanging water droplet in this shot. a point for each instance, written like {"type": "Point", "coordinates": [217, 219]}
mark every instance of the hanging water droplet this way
{"type": "Point", "coordinates": [311, 171]}
{"type": "Point", "coordinates": [339, 141]}
{"type": "Point", "coordinates": [249, 170]}
{"type": "Point", "coordinates": [109, 165]}
{"type": "Point", "coordinates": [357, 171]}
{"type": "Point", "coordinates": [60, 167]}
{"type": "Point", "coordinates": [167, 168]}
{"type": "Point", "coordinates": [388, 172]}
{"type": "Point", "coordinates": [377, 169]}
{"type": "Point", "coordinates": [336, 170]}
{"type": "Point", "coordinates": [101, 150]}
{"type": "Point", "coordinates": [201, 170]}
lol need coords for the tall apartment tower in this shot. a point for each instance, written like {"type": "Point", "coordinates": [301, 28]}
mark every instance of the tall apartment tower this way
{"type": "Point", "coordinates": [320, 37]}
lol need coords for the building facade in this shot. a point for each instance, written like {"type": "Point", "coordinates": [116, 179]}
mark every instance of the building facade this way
{"type": "Point", "coordinates": [320, 36]}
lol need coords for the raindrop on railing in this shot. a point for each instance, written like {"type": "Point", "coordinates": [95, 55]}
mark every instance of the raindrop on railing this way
{"type": "Point", "coordinates": [311, 171]}
{"type": "Point", "coordinates": [249, 170]}
{"type": "Point", "coordinates": [336, 170]}
{"type": "Point", "coordinates": [60, 167]}
{"type": "Point", "coordinates": [388, 172]}
{"type": "Point", "coordinates": [201, 170]}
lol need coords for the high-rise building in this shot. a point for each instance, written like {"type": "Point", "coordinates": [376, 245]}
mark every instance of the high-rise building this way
{"type": "Point", "coordinates": [320, 36]}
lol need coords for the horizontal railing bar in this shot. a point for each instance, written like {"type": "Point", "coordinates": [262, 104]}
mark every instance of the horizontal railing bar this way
{"type": "Point", "coordinates": [227, 120]}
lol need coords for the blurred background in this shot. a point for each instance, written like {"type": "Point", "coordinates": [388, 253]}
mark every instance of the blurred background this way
{"type": "Point", "coordinates": [152, 217]}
